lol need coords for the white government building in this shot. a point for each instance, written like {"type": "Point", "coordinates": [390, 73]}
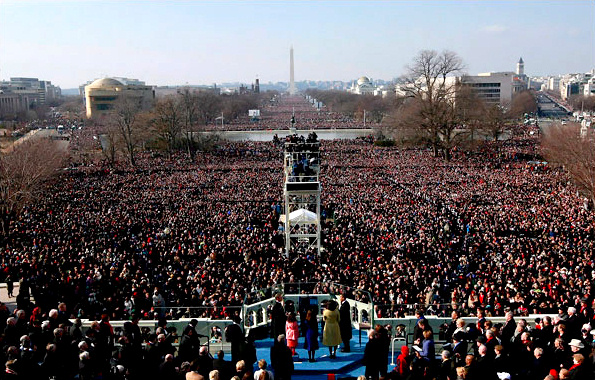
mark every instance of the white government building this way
{"type": "Point", "coordinates": [101, 95]}
{"type": "Point", "coordinates": [363, 86]}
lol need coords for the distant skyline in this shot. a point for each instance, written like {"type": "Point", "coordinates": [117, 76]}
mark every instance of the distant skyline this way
{"type": "Point", "coordinates": [206, 42]}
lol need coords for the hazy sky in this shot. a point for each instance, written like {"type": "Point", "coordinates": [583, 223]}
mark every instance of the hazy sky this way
{"type": "Point", "coordinates": [203, 42]}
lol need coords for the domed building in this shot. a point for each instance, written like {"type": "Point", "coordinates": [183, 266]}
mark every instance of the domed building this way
{"type": "Point", "coordinates": [102, 95]}
{"type": "Point", "coordinates": [363, 86]}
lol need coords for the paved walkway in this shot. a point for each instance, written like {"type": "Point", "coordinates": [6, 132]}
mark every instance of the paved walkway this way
{"type": "Point", "coordinates": [10, 302]}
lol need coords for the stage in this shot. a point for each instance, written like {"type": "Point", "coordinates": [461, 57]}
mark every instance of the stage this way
{"type": "Point", "coordinates": [345, 365]}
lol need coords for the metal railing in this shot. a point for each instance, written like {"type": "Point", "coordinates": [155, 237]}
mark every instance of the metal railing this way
{"type": "Point", "coordinates": [189, 312]}
{"type": "Point", "coordinates": [258, 304]}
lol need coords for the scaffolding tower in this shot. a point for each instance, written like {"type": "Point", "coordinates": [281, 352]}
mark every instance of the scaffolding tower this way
{"type": "Point", "coordinates": [302, 195]}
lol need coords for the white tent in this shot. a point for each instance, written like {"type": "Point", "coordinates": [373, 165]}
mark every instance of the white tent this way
{"type": "Point", "coordinates": [302, 216]}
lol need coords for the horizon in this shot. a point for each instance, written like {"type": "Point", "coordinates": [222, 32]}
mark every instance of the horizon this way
{"type": "Point", "coordinates": [200, 43]}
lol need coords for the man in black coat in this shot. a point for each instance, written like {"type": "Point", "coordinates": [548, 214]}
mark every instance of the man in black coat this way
{"type": "Point", "coordinates": [278, 317]}
{"type": "Point", "coordinates": [281, 359]}
{"type": "Point", "coordinates": [452, 326]}
{"type": "Point", "coordinates": [447, 367]}
{"type": "Point", "coordinates": [235, 336]}
{"type": "Point", "coordinates": [459, 348]}
{"type": "Point", "coordinates": [225, 368]}
{"type": "Point", "coordinates": [372, 356]}
{"type": "Point", "coordinates": [345, 323]}
{"type": "Point", "coordinates": [508, 329]}
{"type": "Point", "coordinates": [187, 350]}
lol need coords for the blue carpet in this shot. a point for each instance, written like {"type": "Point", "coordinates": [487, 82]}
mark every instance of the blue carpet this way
{"type": "Point", "coordinates": [345, 365]}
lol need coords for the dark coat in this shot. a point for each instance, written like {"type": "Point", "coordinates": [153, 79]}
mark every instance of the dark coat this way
{"type": "Point", "coordinates": [372, 358]}
{"type": "Point", "coordinates": [278, 320]}
{"type": "Point", "coordinates": [248, 353]}
{"type": "Point", "coordinates": [311, 334]}
{"type": "Point", "coordinates": [484, 368]}
{"type": "Point", "coordinates": [225, 368]}
{"type": "Point", "coordinates": [235, 336]}
{"type": "Point", "coordinates": [187, 351]}
{"type": "Point", "coordinates": [507, 332]}
{"type": "Point", "coordinates": [345, 321]}
{"type": "Point", "coordinates": [447, 370]}
{"type": "Point", "coordinates": [281, 361]}
{"type": "Point", "coordinates": [580, 372]}
{"type": "Point", "coordinates": [458, 354]}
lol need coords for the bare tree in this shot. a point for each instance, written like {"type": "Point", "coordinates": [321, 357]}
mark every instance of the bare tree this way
{"type": "Point", "coordinates": [432, 90]}
{"type": "Point", "coordinates": [190, 109]}
{"type": "Point", "coordinates": [495, 121]}
{"type": "Point", "coordinates": [23, 173]}
{"type": "Point", "coordinates": [168, 119]}
{"type": "Point", "coordinates": [522, 103]}
{"type": "Point", "coordinates": [402, 124]}
{"type": "Point", "coordinates": [110, 142]}
{"type": "Point", "coordinates": [564, 144]}
{"type": "Point", "coordinates": [581, 102]}
{"type": "Point", "coordinates": [127, 119]}
{"type": "Point", "coordinates": [470, 111]}
{"type": "Point", "coordinates": [209, 106]}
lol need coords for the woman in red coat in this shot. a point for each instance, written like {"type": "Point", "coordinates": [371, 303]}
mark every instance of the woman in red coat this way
{"type": "Point", "coordinates": [292, 332]}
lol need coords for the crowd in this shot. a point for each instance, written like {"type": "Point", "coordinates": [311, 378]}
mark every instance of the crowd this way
{"type": "Point", "coordinates": [53, 347]}
{"type": "Point", "coordinates": [278, 115]}
{"type": "Point", "coordinates": [172, 238]}
{"type": "Point", "coordinates": [559, 348]}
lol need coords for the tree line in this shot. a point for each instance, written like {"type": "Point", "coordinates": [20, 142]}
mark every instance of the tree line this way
{"type": "Point", "coordinates": [173, 123]}
{"type": "Point", "coordinates": [432, 107]}
{"type": "Point", "coordinates": [439, 108]}
{"type": "Point", "coordinates": [353, 105]}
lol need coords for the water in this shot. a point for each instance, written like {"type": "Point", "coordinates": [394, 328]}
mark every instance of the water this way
{"type": "Point", "coordinates": [323, 134]}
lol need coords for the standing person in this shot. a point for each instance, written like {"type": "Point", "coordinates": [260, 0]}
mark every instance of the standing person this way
{"type": "Point", "coordinates": [372, 356]}
{"type": "Point", "coordinates": [9, 286]}
{"type": "Point", "coordinates": [224, 367]}
{"type": "Point", "coordinates": [262, 368]}
{"type": "Point", "coordinates": [235, 336]}
{"type": "Point", "coordinates": [158, 303]}
{"type": "Point", "coordinates": [311, 333]}
{"type": "Point", "coordinates": [384, 346]}
{"type": "Point", "coordinates": [292, 332]}
{"type": "Point", "coordinates": [508, 329]}
{"type": "Point", "coordinates": [429, 348]}
{"type": "Point", "coordinates": [278, 318]}
{"type": "Point", "coordinates": [345, 323]}
{"type": "Point", "coordinates": [331, 336]}
{"type": "Point", "coordinates": [447, 370]}
{"type": "Point", "coordinates": [281, 359]}
{"type": "Point", "coordinates": [403, 362]}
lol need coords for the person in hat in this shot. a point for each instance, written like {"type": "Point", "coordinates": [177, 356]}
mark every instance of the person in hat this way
{"type": "Point", "coordinates": [578, 347]}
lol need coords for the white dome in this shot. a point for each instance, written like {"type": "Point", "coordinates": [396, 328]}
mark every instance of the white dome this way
{"type": "Point", "coordinates": [363, 80]}
{"type": "Point", "coordinates": [105, 82]}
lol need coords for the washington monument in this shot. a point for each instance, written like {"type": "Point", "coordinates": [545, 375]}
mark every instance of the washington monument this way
{"type": "Point", "coordinates": [292, 90]}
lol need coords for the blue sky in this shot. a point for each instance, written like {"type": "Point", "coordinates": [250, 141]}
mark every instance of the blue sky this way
{"type": "Point", "coordinates": [205, 42]}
